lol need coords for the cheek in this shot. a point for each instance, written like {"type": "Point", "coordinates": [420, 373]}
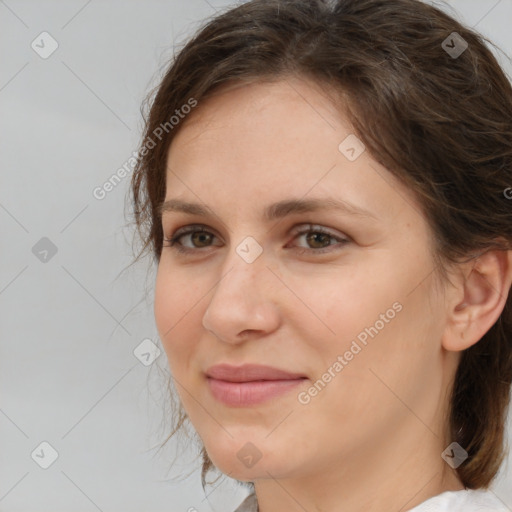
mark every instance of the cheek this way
{"type": "Point", "coordinates": [175, 309]}
{"type": "Point", "coordinates": [165, 304]}
{"type": "Point", "coordinates": [380, 305]}
{"type": "Point", "coordinates": [337, 304]}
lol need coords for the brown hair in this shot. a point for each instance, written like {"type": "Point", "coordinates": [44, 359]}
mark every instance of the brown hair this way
{"type": "Point", "coordinates": [440, 123]}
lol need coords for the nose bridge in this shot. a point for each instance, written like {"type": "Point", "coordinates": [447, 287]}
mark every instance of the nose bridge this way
{"type": "Point", "coordinates": [239, 301]}
{"type": "Point", "coordinates": [245, 264]}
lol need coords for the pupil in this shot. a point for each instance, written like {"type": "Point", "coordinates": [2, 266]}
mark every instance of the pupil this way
{"type": "Point", "coordinates": [315, 237]}
{"type": "Point", "coordinates": [201, 236]}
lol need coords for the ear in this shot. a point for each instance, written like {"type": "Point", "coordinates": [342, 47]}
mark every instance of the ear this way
{"type": "Point", "coordinates": [478, 299]}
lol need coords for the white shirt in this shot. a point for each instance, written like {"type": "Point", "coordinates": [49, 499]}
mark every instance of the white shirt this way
{"type": "Point", "coordinates": [467, 500]}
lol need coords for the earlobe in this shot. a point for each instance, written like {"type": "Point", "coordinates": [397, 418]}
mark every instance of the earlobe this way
{"type": "Point", "coordinates": [484, 285]}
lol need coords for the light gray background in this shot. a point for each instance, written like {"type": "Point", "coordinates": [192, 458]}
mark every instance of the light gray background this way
{"type": "Point", "coordinates": [69, 326]}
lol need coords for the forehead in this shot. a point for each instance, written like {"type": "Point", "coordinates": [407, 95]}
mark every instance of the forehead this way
{"type": "Point", "coordinates": [260, 142]}
{"type": "Point", "coordinates": [273, 105]}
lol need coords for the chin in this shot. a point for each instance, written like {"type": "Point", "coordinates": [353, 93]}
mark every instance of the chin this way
{"type": "Point", "coordinates": [248, 462]}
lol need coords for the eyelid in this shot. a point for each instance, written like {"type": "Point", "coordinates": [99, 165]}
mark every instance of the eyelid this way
{"type": "Point", "coordinates": [296, 230]}
{"type": "Point", "coordinates": [307, 227]}
{"type": "Point", "coordinates": [192, 228]}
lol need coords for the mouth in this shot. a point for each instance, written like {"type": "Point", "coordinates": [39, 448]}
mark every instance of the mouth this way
{"type": "Point", "coordinates": [248, 385]}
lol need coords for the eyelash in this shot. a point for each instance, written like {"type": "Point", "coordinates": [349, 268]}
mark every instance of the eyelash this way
{"type": "Point", "coordinates": [173, 241]}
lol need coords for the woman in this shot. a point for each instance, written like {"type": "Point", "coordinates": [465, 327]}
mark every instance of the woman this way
{"type": "Point", "coordinates": [324, 187]}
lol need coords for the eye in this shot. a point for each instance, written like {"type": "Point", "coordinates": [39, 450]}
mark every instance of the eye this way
{"type": "Point", "coordinates": [200, 238]}
{"type": "Point", "coordinates": [320, 238]}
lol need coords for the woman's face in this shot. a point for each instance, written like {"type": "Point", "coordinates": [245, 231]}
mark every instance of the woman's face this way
{"type": "Point", "coordinates": [351, 311]}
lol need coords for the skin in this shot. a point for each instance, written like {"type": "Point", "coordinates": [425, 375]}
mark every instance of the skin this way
{"type": "Point", "coordinates": [372, 438]}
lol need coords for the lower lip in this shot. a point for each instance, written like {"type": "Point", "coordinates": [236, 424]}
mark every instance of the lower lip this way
{"type": "Point", "coordinates": [242, 394]}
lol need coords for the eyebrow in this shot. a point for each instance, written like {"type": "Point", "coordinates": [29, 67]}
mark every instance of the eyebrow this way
{"type": "Point", "coordinates": [274, 211]}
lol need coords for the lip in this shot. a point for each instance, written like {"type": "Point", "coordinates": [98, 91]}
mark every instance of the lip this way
{"type": "Point", "coordinates": [249, 384]}
{"type": "Point", "coordinates": [249, 372]}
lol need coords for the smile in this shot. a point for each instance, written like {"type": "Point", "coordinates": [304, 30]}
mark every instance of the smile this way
{"type": "Point", "coordinates": [249, 384]}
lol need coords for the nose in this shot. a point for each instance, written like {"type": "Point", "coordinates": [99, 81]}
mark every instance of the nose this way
{"type": "Point", "coordinates": [243, 301]}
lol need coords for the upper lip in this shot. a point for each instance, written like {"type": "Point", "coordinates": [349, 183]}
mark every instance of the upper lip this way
{"type": "Point", "coordinates": [249, 372]}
